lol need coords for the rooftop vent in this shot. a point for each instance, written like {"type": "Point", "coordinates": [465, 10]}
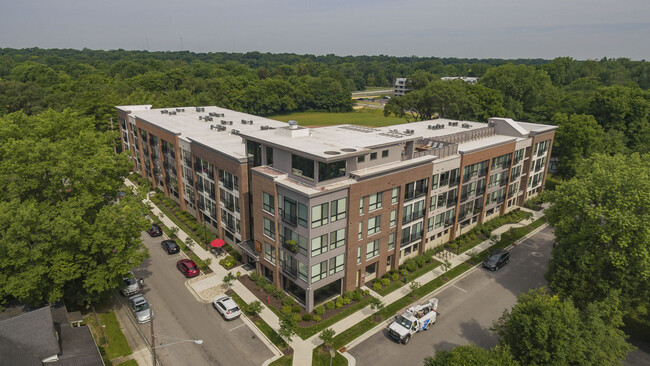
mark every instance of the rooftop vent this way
{"type": "Point", "coordinates": [180, 109]}
{"type": "Point", "coordinates": [243, 121]}
{"type": "Point", "coordinates": [293, 125]}
{"type": "Point", "coordinates": [466, 125]}
{"type": "Point", "coordinates": [347, 149]}
{"type": "Point", "coordinates": [164, 111]}
{"type": "Point", "coordinates": [172, 113]}
{"type": "Point", "coordinates": [332, 153]}
{"type": "Point", "coordinates": [234, 132]}
{"type": "Point", "coordinates": [200, 109]}
{"type": "Point", "coordinates": [224, 122]}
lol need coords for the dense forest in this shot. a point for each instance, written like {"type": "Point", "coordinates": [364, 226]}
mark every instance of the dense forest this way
{"type": "Point", "coordinates": [600, 105]}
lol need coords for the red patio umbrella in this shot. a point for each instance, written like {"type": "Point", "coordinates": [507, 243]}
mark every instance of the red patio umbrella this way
{"type": "Point", "coordinates": [217, 243]}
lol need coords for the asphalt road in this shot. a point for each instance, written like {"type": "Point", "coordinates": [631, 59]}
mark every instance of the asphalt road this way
{"type": "Point", "coordinates": [467, 307]}
{"type": "Point", "coordinates": [179, 316]}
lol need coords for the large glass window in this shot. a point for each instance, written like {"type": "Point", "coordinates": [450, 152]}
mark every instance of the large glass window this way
{"type": "Point", "coordinates": [289, 211]}
{"type": "Point", "coordinates": [358, 255]}
{"type": "Point", "coordinates": [269, 156]}
{"type": "Point", "coordinates": [337, 238]}
{"type": "Point", "coordinates": [319, 245]}
{"type": "Point", "coordinates": [292, 241]}
{"type": "Point", "coordinates": [302, 215]}
{"type": "Point", "coordinates": [393, 218]}
{"type": "Point", "coordinates": [269, 228]}
{"type": "Point", "coordinates": [374, 201]}
{"type": "Point", "coordinates": [254, 151]}
{"type": "Point", "coordinates": [372, 249]}
{"type": "Point", "coordinates": [318, 271]}
{"type": "Point", "coordinates": [302, 271]}
{"type": "Point", "coordinates": [336, 264]}
{"type": "Point", "coordinates": [302, 167]}
{"type": "Point", "coordinates": [269, 203]}
{"type": "Point", "coordinates": [434, 181]}
{"type": "Point", "coordinates": [391, 241]}
{"type": "Point", "coordinates": [333, 170]}
{"type": "Point", "coordinates": [269, 252]}
{"type": "Point", "coordinates": [360, 229]}
{"type": "Point", "coordinates": [338, 209]}
{"type": "Point", "coordinates": [395, 195]}
{"type": "Point", "coordinates": [319, 215]}
{"type": "Point", "coordinates": [374, 225]}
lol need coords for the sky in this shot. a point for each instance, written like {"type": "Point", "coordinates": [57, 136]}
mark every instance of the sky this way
{"type": "Point", "coordinates": [582, 29]}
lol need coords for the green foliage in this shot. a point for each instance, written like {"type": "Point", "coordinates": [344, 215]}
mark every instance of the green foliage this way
{"type": "Point", "coordinates": [228, 262]}
{"type": "Point", "coordinates": [578, 137]}
{"type": "Point", "coordinates": [356, 295]}
{"type": "Point", "coordinates": [307, 317]}
{"type": "Point", "coordinates": [269, 288]}
{"type": "Point", "coordinates": [254, 308]}
{"type": "Point", "coordinates": [385, 282]}
{"type": "Point", "coordinates": [286, 309]}
{"type": "Point", "coordinates": [319, 310]}
{"type": "Point", "coordinates": [472, 355]}
{"type": "Point", "coordinates": [288, 300]}
{"type": "Point", "coordinates": [346, 300]}
{"type": "Point", "coordinates": [562, 334]}
{"type": "Point", "coordinates": [228, 279]}
{"type": "Point", "coordinates": [329, 305]}
{"type": "Point", "coordinates": [295, 309]}
{"type": "Point", "coordinates": [63, 234]}
{"type": "Point", "coordinates": [394, 277]}
{"type": "Point", "coordinates": [327, 336]}
{"type": "Point", "coordinates": [317, 318]}
{"type": "Point", "coordinates": [414, 285]}
{"type": "Point", "coordinates": [601, 220]}
{"type": "Point", "coordinates": [376, 286]}
{"type": "Point", "coordinates": [376, 304]}
{"type": "Point", "coordinates": [338, 303]}
{"type": "Point", "coordinates": [288, 324]}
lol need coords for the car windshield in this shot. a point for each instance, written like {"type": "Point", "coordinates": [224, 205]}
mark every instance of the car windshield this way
{"type": "Point", "coordinates": [129, 281]}
{"type": "Point", "coordinates": [143, 306]}
{"type": "Point", "coordinates": [404, 322]}
{"type": "Point", "coordinates": [191, 266]}
{"type": "Point", "coordinates": [494, 258]}
{"type": "Point", "coordinates": [236, 308]}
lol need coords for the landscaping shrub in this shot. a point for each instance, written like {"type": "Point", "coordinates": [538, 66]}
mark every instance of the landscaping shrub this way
{"type": "Point", "coordinates": [269, 288]}
{"type": "Point", "coordinates": [277, 293]}
{"type": "Point", "coordinates": [411, 265]}
{"type": "Point", "coordinates": [295, 309]}
{"type": "Point", "coordinates": [288, 300]}
{"type": "Point", "coordinates": [421, 260]}
{"type": "Point", "coordinates": [339, 302]}
{"type": "Point", "coordinates": [385, 275]}
{"type": "Point", "coordinates": [329, 305]}
{"type": "Point", "coordinates": [356, 295]}
{"type": "Point", "coordinates": [319, 310]}
{"type": "Point", "coordinates": [261, 282]}
{"type": "Point", "coordinates": [348, 294]}
{"type": "Point", "coordinates": [385, 282]}
{"type": "Point", "coordinates": [316, 318]}
{"type": "Point", "coordinates": [393, 271]}
{"type": "Point", "coordinates": [254, 276]}
{"type": "Point", "coordinates": [366, 292]}
{"type": "Point", "coordinates": [286, 309]}
{"type": "Point", "coordinates": [405, 272]}
{"type": "Point", "coordinates": [394, 277]}
{"type": "Point", "coordinates": [296, 317]}
{"type": "Point", "coordinates": [376, 286]}
{"type": "Point", "coordinates": [346, 300]}
{"type": "Point", "coordinates": [228, 262]}
{"type": "Point", "coordinates": [307, 317]}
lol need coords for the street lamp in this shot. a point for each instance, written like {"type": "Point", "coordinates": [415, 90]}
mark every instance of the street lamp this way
{"type": "Point", "coordinates": [178, 340]}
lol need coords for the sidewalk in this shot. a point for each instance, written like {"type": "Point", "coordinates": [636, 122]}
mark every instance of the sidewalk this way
{"type": "Point", "coordinates": [303, 349]}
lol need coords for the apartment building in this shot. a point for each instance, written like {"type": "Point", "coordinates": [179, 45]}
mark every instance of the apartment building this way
{"type": "Point", "coordinates": [325, 210]}
{"type": "Point", "coordinates": [400, 87]}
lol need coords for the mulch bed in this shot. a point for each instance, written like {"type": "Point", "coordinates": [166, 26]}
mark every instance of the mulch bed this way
{"type": "Point", "coordinates": [277, 304]}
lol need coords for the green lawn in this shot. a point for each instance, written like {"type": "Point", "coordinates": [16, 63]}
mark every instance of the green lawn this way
{"type": "Point", "coordinates": [305, 333]}
{"type": "Point", "coordinates": [363, 117]}
{"type": "Point", "coordinates": [129, 363]}
{"type": "Point", "coordinates": [283, 361]}
{"type": "Point", "coordinates": [116, 344]}
{"type": "Point", "coordinates": [319, 358]}
{"type": "Point", "coordinates": [262, 325]}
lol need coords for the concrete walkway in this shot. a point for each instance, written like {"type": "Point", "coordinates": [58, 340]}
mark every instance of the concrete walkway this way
{"type": "Point", "coordinates": [302, 349]}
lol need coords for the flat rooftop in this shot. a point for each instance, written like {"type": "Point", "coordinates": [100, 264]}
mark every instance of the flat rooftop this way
{"type": "Point", "coordinates": [191, 124]}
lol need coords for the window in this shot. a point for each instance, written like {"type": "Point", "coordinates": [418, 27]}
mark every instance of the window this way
{"type": "Point", "coordinates": [391, 241]}
{"type": "Point", "coordinates": [319, 214]}
{"type": "Point", "coordinates": [288, 236]}
{"type": "Point", "coordinates": [432, 202]}
{"type": "Point", "coordinates": [337, 238]}
{"type": "Point", "coordinates": [269, 228]}
{"type": "Point", "coordinates": [302, 167]}
{"type": "Point", "coordinates": [358, 255]}
{"type": "Point", "coordinates": [302, 215]}
{"type": "Point", "coordinates": [360, 229]}
{"type": "Point", "coordinates": [395, 196]}
{"type": "Point", "coordinates": [327, 171]}
{"type": "Point", "coordinates": [393, 218]}
{"type": "Point", "coordinates": [416, 189]}
{"type": "Point", "coordinates": [361, 206]}
{"type": "Point", "coordinates": [450, 217]}
{"type": "Point", "coordinates": [384, 154]}
{"type": "Point", "coordinates": [483, 168]}
{"type": "Point", "coordinates": [269, 253]}
{"type": "Point", "coordinates": [519, 155]}
{"type": "Point", "coordinates": [269, 203]}
{"type": "Point", "coordinates": [440, 219]}
{"type": "Point", "coordinates": [373, 156]}
{"type": "Point", "coordinates": [289, 211]}
{"type": "Point", "coordinates": [430, 223]}
{"type": "Point", "coordinates": [269, 156]}
{"type": "Point", "coordinates": [374, 225]}
{"type": "Point", "coordinates": [338, 209]}
{"type": "Point", "coordinates": [302, 271]}
{"type": "Point", "coordinates": [319, 245]}
{"type": "Point", "coordinates": [374, 201]}
{"type": "Point", "coordinates": [336, 264]}
{"type": "Point", "coordinates": [502, 161]}
{"type": "Point", "coordinates": [442, 199]}
{"type": "Point", "coordinates": [372, 249]}
{"type": "Point", "coordinates": [361, 159]}
{"type": "Point", "coordinates": [454, 177]}
{"type": "Point", "coordinates": [434, 182]}
{"type": "Point", "coordinates": [318, 271]}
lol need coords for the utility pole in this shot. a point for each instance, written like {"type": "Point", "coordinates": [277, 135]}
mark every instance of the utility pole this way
{"type": "Point", "coordinates": [153, 340]}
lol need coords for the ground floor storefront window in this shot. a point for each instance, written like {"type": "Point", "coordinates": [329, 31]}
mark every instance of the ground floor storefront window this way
{"type": "Point", "coordinates": [328, 291]}
{"type": "Point", "coordinates": [296, 291]}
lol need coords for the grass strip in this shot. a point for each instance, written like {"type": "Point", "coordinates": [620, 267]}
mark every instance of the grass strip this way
{"type": "Point", "coordinates": [283, 361]}
{"type": "Point", "coordinates": [116, 344]}
{"type": "Point", "coordinates": [307, 332]}
{"type": "Point", "coordinates": [129, 363]}
{"type": "Point", "coordinates": [320, 358]}
{"type": "Point", "coordinates": [262, 325]}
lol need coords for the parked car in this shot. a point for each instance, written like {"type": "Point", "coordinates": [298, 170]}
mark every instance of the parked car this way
{"type": "Point", "coordinates": [188, 267]}
{"type": "Point", "coordinates": [497, 259]}
{"type": "Point", "coordinates": [130, 285]}
{"type": "Point", "coordinates": [227, 307]}
{"type": "Point", "coordinates": [141, 309]}
{"type": "Point", "coordinates": [155, 230]}
{"type": "Point", "coordinates": [170, 246]}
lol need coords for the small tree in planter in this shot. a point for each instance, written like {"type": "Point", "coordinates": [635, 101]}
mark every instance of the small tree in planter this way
{"type": "Point", "coordinates": [327, 336]}
{"type": "Point", "coordinates": [287, 326]}
{"type": "Point", "coordinates": [174, 230]}
{"type": "Point", "coordinates": [229, 279]}
{"type": "Point", "coordinates": [376, 305]}
{"type": "Point", "coordinates": [189, 242]}
{"type": "Point", "coordinates": [291, 245]}
{"type": "Point", "coordinates": [254, 308]}
{"type": "Point", "coordinates": [414, 285]}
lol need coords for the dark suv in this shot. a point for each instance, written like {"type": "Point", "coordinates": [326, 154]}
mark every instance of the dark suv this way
{"type": "Point", "coordinates": [170, 246]}
{"type": "Point", "coordinates": [497, 259]}
{"type": "Point", "coordinates": [155, 230]}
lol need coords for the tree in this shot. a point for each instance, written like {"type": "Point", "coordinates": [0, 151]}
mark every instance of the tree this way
{"type": "Point", "coordinates": [287, 326]}
{"type": "Point", "coordinates": [542, 329]}
{"type": "Point", "coordinates": [64, 235]}
{"type": "Point", "coordinates": [229, 279]}
{"type": "Point", "coordinates": [601, 220]}
{"type": "Point", "coordinates": [254, 308]}
{"type": "Point", "coordinates": [376, 304]}
{"type": "Point", "coordinates": [472, 355]}
{"type": "Point", "coordinates": [577, 138]}
{"type": "Point", "coordinates": [327, 336]}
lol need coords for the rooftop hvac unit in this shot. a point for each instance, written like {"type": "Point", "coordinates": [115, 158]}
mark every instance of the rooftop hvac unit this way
{"type": "Point", "coordinates": [250, 122]}
{"type": "Point", "coordinates": [172, 113]}
{"type": "Point", "coordinates": [234, 132]}
{"type": "Point", "coordinates": [243, 121]}
{"type": "Point", "coordinates": [212, 127]}
{"type": "Point", "coordinates": [180, 110]}
{"type": "Point", "coordinates": [164, 111]}
{"type": "Point", "coordinates": [224, 122]}
{"type": "Point", "coordinates": [230, 123]}
{"type": "Point", "coordinates": [200, 118]}
{"type": "Point", "coordinates": [212, 114]}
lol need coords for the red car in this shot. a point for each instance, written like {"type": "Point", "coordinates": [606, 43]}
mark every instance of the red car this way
{"type": "Point", "coordinates": [188, 267]}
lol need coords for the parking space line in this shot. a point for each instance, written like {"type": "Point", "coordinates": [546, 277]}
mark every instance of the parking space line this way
{"type": "Point", "coordinates": [465, 291]}
{"type": "Point", "coordinates": [239, 326]}
{"type": "Point", "coordinates": [528, 245]}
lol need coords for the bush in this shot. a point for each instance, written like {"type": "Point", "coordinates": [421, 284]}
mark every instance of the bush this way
{"type": "Point", "coordinates": [394, 277]}
{"type": "Point", "coordinates": [348, 294]}
{"type": "Point", "coordinates": [269, 288]}
{"type": "Point", "coordinates": [316, 318]}
{"type": "Point", "coordinates": [288, 300]}
{"type": "Point", "coordinates": [307, 317]}
{"type": "Point", "coordinates": [356, 295]}
{"type": "Point", "coordinates": [295, 309]}
{"type": "Point", "coordinates": [376, 286]}
{"type": "Point", "coordinates": [254, 276]}
{"type": "Point", "coordinates": [346, 300]}
{"type": "Point", "coordinates": [286, 309]}
{"type": "Point", "coordinates": [296, 317]}
{"type": "Point", "coordinates": [277, 293]}
{"type": "Point", "coordinates": [405, 272]}
{"type": "Point", "coordinates": [319, 310]}
{"type": "Point", "coordinates": [385, 282]}
{"type": "Point", "coordinates": [366, 292]}
{"type": "Point", "coordinates": [385, 275]}
{"type": "Point", "coordinates": [411, 265]}
{"type": "Point", "coordinates": [393, 271]}
{"type": "Point", "coordinates": [228, 262]}
{"type": "Point", "coordinates": [261, 282]}
{"type": "Point", "coordinates": [329, 305]}
{"type": "Point", "coordinates": [339, 303]}
{"type": "Point", "coordinates": [254, 308]}
{"type": "Point", "coordinates": [421, 260]}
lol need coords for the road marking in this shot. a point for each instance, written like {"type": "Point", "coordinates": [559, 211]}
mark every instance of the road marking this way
{"type": "Point", "coordinates": [239, 326]}
{"type": "Point", "coordinates": [465, 291]}
{"type": "Point", "coordinates": [528, 245]}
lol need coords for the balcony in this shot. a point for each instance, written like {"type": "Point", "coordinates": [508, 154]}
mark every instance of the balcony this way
{"type": "Point", "coordinates": [227, 184]}
{"type": "Point", "coordinates": [477, 210]}
{"type": "Point", "coordinates": [291, 272]}
{"type": "Point", "coordinates": [289, 218]}
{"type": "Point", "coordinates": [413, 216]}
{"type": "Point", "coordinates": [230, 206]}
{"type": "Point", "coordinates": [407, 239]}
{"type": "Point", "coordinates": [449, 222]}
{"type": "Point", "coordinates": [452, 201]}
{"type": "Point", "coordinates": [290, 245]}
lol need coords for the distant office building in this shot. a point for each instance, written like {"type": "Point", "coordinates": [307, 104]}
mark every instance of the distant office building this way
{"type": "Point", "coordinates": [400, 87]}
{"type": "Point", "coordinates": [320, 211]}
{"type": "Point", "coordinates": [467, 79]}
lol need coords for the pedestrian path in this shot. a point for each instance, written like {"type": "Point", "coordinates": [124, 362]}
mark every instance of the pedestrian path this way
{"type": "Point", "coordinates": [302, 349]}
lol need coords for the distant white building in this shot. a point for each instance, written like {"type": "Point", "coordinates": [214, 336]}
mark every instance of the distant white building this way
{"type": "Point", "coordinates": [467, 79]}
{"type": "Point", "coordinates": [400, 87]}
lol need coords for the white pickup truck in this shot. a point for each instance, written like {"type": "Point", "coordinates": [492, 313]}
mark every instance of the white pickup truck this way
{"type": "Point", "coordinates": [414, 320]}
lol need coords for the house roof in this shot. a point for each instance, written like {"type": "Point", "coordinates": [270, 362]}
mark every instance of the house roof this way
{"type": "Point", "coordinates": [32, 332]}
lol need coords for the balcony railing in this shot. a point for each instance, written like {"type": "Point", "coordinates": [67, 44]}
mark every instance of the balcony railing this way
{"type": "Point", "coordinates": [406, 239]}
{"type": "Point", "coordinates": [291, 272]}
{"type": "Point", "coordinates": [413, 216]}
{"type": "Point", "coordinates": [449, 222]}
